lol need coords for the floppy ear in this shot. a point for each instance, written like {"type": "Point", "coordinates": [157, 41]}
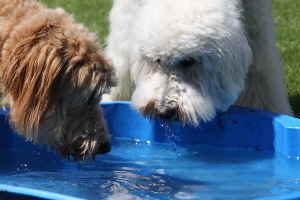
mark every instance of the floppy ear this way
{"type": "Point", "coordinates": [29, 71]}
{"type": "Point", "coordinates": [108, 78]}
{"type": "Point", "coordinates": [95, 76]}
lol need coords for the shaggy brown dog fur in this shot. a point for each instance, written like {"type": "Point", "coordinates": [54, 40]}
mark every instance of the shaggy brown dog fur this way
{"type": "Point", "coordinates": [54, 74]}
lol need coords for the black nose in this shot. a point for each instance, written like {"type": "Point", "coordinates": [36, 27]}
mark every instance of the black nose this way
{"type": "Point", "coordinates": [104, 148]}
{"type": "Point", "coordinates": [166, 113]}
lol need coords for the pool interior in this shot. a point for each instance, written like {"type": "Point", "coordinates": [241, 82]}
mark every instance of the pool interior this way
{"type": "Point", "coordinates": [143, 170]}
{"type": "Point", "coordinates": [251, 157]}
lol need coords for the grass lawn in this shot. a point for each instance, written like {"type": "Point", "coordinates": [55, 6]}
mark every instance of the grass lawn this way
{"type": "Point", "coordinates": [93, 13]}
{"type": "Point", "coordinates": [287, 17]}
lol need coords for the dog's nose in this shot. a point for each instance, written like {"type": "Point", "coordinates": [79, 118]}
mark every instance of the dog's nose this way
{"type": "Point", "coordinates": [166, 110]}
{"type": "Point", "coordinates": [104, 148]}
{"type": "Point", "coordinates": [166, 113]}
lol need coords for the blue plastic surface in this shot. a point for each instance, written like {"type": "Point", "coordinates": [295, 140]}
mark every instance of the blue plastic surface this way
{"type": "Point", "coordinates": [20, 193]}
{"type": "Point", "coordinates": [237, 128]}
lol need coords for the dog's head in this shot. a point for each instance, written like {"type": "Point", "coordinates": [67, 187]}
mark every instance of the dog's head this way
{"type": "Point", "coordinates": [54, 73]}
{"type": "Point", "coordinates": [191, 63]}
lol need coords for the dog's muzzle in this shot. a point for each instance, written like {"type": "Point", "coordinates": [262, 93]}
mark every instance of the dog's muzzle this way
{"type": "Point", "coordinates": [166, 111]}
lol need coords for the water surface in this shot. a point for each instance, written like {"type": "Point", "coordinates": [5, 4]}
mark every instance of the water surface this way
{"type": "Point", "coordinates": [141, 170]}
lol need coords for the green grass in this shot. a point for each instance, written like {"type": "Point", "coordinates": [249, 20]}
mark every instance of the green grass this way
{"type": "Point", "coordinates": [287, 18]}
{"type": "Point", "coordinates": [93, 13]}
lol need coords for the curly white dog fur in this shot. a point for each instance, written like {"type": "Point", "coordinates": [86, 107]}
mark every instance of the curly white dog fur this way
{"type": "Point", "coordinates": [188, 60]}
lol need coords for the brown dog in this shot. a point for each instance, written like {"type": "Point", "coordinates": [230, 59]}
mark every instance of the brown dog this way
{"type": "Point", "coordinates": [54, 74]}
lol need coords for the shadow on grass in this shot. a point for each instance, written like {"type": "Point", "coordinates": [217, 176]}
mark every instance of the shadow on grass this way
{"type": "Point", "coordinates": [295, 103]}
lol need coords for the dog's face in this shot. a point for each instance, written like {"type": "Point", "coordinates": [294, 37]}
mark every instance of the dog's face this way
{"type": "Point", "coordinates": [75, 118]}
{"type": "Point", "coordinates": [74, 121]}
{"type": "Point", "coordinates": [190, 64]}
{"type": "Point", "coordinates": [54, 74]}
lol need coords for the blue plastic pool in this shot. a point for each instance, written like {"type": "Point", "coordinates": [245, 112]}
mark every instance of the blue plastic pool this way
{"type": "Point", "coordinates": [242, 154]}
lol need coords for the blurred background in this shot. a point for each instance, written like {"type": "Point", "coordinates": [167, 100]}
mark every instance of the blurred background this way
{"type": "Point", "coordinates": [94, 14]}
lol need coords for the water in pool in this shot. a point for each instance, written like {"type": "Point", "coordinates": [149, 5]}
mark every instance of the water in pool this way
{"type": "Point", "coordinates": [141, 170]}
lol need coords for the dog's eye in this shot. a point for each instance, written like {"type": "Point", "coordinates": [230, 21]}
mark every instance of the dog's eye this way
{"type": "Point", "coordinates": [187, 61]}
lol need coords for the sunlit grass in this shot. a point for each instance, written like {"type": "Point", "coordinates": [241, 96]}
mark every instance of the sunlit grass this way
{"type": "Point", "coordinates": [287, 17]}
{"type": "Point", "coordinates": [92, 13]}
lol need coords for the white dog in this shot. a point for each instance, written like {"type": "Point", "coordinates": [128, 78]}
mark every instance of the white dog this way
{"type": "Point", "coordinates": [188, 60]}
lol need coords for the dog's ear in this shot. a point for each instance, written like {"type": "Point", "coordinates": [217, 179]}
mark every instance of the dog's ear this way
{"type": "Point", "coordinates": [29, 71]}
{"type": "Point", "coordinates": [108, 78]}
{"type": "Point", "coordinates": [91, 74]}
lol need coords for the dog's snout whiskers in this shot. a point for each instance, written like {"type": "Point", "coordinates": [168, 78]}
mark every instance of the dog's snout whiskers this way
{"type": "Point", "coordinates": [168, 111]}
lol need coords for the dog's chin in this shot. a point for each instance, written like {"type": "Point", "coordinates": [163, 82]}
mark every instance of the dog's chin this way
{"type": "Point", "coordinates": [86, 147]}
{"type": "Point", "coordinates": [178, 115]}
{"type": "Point", "coordinates": [178, 118]}
{"type": "Point", "coordinates": [173, 119]}
{"type": "Point", "coordinates": [78, 146]}
{"type": "Point", "coordinates": [87, 150]}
